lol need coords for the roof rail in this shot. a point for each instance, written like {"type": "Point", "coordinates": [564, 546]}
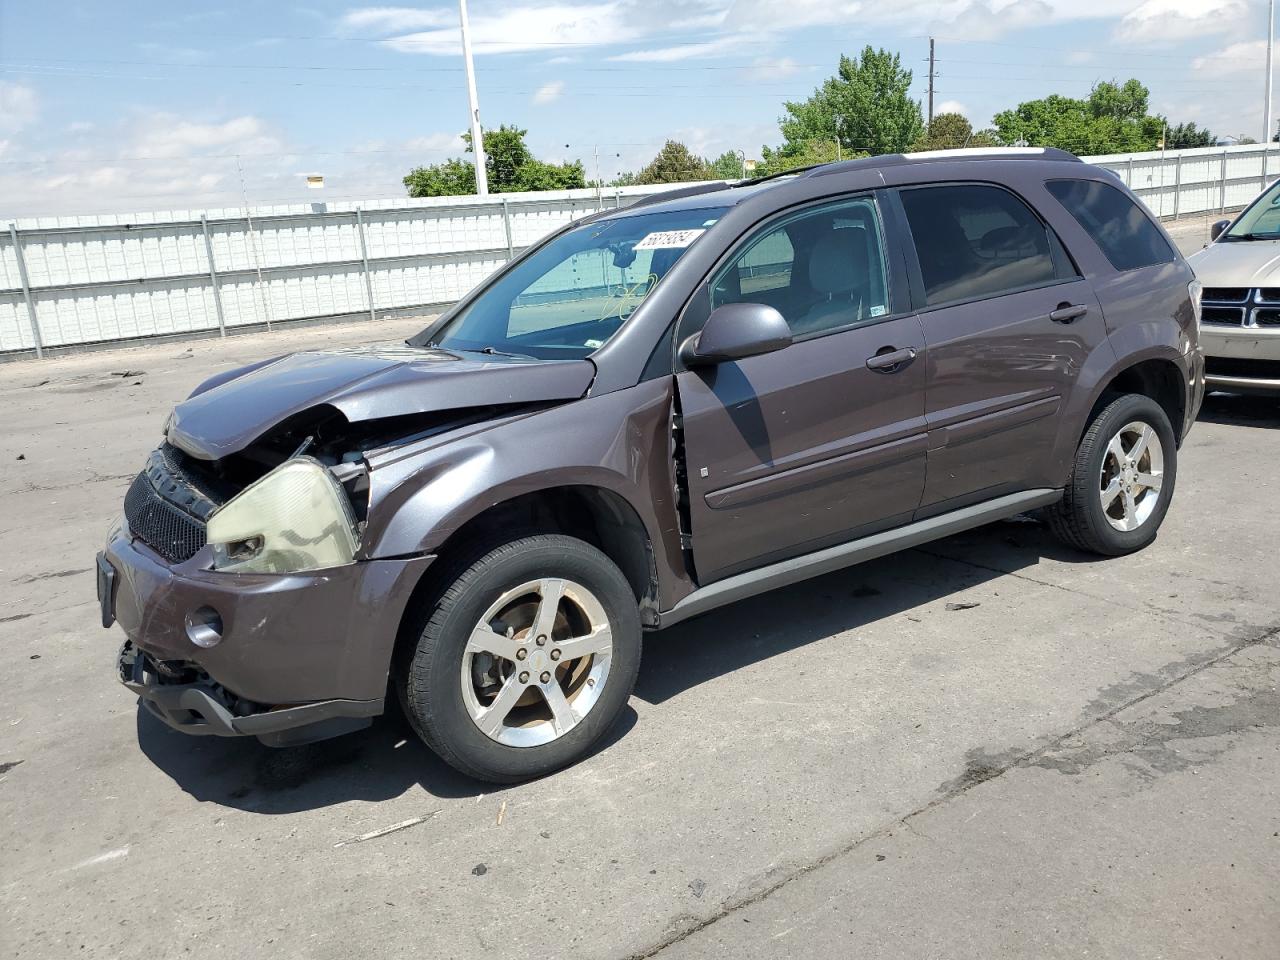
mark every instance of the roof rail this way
{"type": "Point", "coordinates": [676, 194]}
{"type": "Point", "coordinates": [1003, 153]}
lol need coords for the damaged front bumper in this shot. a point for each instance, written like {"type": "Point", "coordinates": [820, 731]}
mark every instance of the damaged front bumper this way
{"type": "Point", "coordinates": [189, 701]}
{"type": "Point", "coordinates": [287, 658]}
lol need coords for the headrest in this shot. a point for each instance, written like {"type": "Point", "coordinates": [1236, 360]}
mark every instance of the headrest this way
{"type": "Point", "coordinates": [838, 261]}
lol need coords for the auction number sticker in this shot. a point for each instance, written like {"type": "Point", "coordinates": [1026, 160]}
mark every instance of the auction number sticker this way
{"type": "Point", "coordinates": [669, 239]}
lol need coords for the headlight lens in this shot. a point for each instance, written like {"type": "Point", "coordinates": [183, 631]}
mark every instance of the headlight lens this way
{"type": "Point", "coordinates": [295, 518]}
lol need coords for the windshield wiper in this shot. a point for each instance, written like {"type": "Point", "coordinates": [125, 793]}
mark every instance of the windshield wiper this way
{"type": "Point", "coordinates": [495, 352]}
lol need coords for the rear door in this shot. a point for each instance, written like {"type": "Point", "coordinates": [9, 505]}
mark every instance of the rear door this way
{"type": "Point", "coordinates": [1008, 323]}
{"type": "Point", "coordinates": [824, 440]}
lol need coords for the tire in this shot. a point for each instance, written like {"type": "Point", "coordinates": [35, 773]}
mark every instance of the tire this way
{"type": "Point", "coordinates": [451, 683]}
{"type": "Point", "coordinates": [1079, 519]}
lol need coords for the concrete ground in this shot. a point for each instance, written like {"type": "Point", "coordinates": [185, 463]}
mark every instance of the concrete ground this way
{"type": "Point", "coordinates": [1087, 762]}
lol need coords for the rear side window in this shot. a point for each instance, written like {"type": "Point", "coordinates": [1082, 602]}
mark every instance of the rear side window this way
{"type": "Point", "coordinates": [1120, 228]}
{"type": "Point", "coordinates": [977, 241]}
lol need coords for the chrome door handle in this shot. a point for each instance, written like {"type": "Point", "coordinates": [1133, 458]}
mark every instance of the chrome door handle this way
{"type": "Point", "coordinates": [1067, 312]}
{"type": "Point", "coordinates": [891, 361]}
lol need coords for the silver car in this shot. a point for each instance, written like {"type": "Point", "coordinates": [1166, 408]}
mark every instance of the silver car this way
{"type": "Point", "coordinates": [1240, 271]}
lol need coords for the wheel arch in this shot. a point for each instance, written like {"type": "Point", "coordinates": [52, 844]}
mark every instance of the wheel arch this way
{"type": "Point", "coordinates": [595, 514]}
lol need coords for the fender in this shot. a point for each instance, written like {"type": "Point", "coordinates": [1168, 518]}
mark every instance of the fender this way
{"type": "Point", "coordinates": [1126, 347]}
{"type": "Point", "coordinates": [420, 497]}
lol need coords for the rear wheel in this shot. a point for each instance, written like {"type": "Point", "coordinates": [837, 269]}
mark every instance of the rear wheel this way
{"type": "Point", "coordinates": [1122, 479]}
{"type": "Point", "coordinates": [525, 661]}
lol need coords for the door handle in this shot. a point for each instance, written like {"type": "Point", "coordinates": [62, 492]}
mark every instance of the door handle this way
{"type": "Point", "coordinates": [888, 360]}
{"type": "Point", "coordinates": [1067, 312]}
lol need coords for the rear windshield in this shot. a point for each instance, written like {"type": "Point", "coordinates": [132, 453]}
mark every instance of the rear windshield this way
{"type": "Point", "coordinates": [577, 290]}
{"type": "Point", "coordinates": [1120, 228]}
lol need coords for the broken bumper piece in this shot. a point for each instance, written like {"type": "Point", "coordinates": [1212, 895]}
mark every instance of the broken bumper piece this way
{"type": "Point", "coordinates": [188, 701]}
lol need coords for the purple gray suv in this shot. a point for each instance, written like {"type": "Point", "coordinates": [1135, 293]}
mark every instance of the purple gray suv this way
{"type": "Point", "coordinates": [652, 412]}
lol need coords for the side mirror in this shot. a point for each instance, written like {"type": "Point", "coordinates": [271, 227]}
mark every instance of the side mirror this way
{"type": "Point", "coordinates": [1216, 230]}
{"type": "Point", "coordinates": [734, 331]}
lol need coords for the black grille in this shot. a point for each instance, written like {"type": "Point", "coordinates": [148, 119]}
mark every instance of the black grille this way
{"type": "Point", "coordinates": [170, 532]}
{"type": "Point", "coordinates": [1232, 315]}
{"type": "Point", "coordinates": [1227, 294]}
{"type": "Point", "coordinates": [1270, 317]}
{"type": "Point", "coordinates": [1234, 367]}
{"type": "Point", "coordinates": [1269, 295]}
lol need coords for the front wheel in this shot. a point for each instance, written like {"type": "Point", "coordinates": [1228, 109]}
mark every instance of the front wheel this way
{"type": "Point", "coordinates": [1122, 479]}
{"type": "Point", "coordinates": [525, 661]}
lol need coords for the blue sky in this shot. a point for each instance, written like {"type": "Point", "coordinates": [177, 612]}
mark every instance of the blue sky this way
{"type": "Point", "coordinates": [123, 106]}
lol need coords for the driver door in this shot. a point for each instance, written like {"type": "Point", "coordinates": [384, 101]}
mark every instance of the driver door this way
{"type": "Point", "coordinates": [823, 441]}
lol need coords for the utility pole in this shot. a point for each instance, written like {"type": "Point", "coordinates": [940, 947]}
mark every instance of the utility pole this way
{"type": "Point", "coordinates": [932, 74]}
{"type": "Point", "coordinates": [1267, 133]}
{"type": "Point", "coordinates": [477, 141]}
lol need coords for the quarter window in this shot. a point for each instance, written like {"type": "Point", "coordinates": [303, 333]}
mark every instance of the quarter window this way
{"type": "Point", "coordinates": [822, 269]}
{"type": "Point", "coordinates": [1119, 227]}
{"type": "Point", "coordinates": [977, 241]}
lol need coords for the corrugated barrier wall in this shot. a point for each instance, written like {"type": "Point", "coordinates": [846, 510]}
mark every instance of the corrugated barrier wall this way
{"type": "Point", "coordinates": [67, 281]}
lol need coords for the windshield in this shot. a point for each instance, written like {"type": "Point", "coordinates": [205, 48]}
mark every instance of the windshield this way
{"type": "Point", "coordinates": [576, 291]}
{"type": "Point", "coordinates": [1261, 221]}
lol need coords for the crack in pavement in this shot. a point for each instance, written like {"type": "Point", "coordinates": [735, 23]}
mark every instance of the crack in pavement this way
{"type": "Point", "coordinates": [995, 766]}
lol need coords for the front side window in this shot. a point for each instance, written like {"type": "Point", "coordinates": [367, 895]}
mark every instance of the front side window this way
{"type": "Point", "coordinates": [1120, 228]}
{"type": "Point", "coordinates": [976, 241]}
{"type": "Point", "coordinates": [577, 290]}
{"type": "Point", "coordinates": [822, 269]}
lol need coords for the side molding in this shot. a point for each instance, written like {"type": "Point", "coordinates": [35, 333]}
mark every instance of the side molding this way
{"type": "Point", "coordinates": [796, 569]}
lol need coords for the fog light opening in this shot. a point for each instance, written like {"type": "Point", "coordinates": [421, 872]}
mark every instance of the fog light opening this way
{"type": "Point", "coordinates": [204, 627]}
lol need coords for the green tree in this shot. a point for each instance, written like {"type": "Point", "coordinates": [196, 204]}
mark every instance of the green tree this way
{"type": "Point", "coordinates": [509, 164]}
{"type": "Point", "coordinates": [812, 153]}
{"type": "Point", "coordinates": [1113, 119]}
{"type": "Point", "coordinates": [866, 106]}
{"type": "Point", "coordinates": [1187, 135]}
{"type": "Point", "coordinates": [675, 163]}
{"type": "Point", "coordinates": [727, 166]}
{"type": "Point", "coordinates": [951, 131]}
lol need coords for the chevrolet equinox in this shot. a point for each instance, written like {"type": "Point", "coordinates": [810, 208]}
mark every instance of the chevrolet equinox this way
{"type": "Point", "coordinates": [650, 413]}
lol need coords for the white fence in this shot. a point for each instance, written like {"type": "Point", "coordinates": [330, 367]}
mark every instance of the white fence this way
{"type": "Point", "coordinates": [83, 280]}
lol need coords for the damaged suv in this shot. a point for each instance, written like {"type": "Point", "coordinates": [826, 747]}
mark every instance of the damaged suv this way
{"type": "Point", "coordinates": [652, 412]}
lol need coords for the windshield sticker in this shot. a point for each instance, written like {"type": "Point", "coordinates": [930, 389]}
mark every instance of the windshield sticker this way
{"type": "Point", "coordinates": [669, 239]}
{"type": "Point", "coordinates": [877, 311]}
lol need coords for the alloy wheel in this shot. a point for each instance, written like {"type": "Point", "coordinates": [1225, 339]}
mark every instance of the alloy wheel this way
{"type": "Point", "coordinates": [1132, 476]}
{"type": "Point", "coordinates": [536, 662]}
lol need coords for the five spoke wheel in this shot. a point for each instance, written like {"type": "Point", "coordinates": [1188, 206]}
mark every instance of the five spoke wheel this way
{"type": "Point", "coordinates": [537, 661]}
{"type": "Point", "coordinates": [1132, 475]}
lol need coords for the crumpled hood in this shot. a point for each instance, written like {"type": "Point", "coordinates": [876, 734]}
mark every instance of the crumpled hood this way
{"type": "Point", "coordinates": [228, 412]}
{"type": "Point", "coordinates": [1238, 263]}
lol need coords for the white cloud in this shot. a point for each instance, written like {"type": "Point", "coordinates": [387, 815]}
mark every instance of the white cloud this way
{"type": "Point", "coordinates": [549, 92]}
{"type": "Point", "coordinates": [1163, 21]}
{"type": "Point", "coordinates": [534, 27]}
{"type": "Point", "coordinates": [768, 68]}
{"type": "Point", "coordinates": [1245, 57]}
{"type": "Point", "coordinates": [951, 106]}
{"type": "Point", "coordinates": [687, 51]}
{"type": "Point", "coordinates": [395, 19]}
{"type": "Point", "coordinates": [752, 14]}
{"type": "Point", "coordinates": [991, 19]}
{"type": "Point", "coordinates": [436, 143]}
{"type": "Point", "coordinates": [19, 106]}
{"type": "Point", "coordinates": [166, 135]}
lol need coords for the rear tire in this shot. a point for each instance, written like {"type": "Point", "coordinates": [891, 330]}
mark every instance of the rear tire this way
{"type": "Point", "coordinates": [1115, 502]}
{"type": "Point", "coordinates": [525, 660]}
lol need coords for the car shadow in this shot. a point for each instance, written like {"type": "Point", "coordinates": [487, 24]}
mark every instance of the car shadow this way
{"type": "Point", "coordinates": [380, 762]}
{"type": "Point", "coordinates": [387, 759]}
{"type": "Point", "coordinates": [1234, 409]}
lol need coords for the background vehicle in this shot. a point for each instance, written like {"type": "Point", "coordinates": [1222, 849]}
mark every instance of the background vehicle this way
{"type": "Point", "coordinates": [1240, 271]}
{"type": "Point", "coordinates": [650, 414]}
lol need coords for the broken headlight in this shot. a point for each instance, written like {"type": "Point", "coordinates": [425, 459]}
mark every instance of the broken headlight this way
{"type": "Point", "coordinates": [295, 518]}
